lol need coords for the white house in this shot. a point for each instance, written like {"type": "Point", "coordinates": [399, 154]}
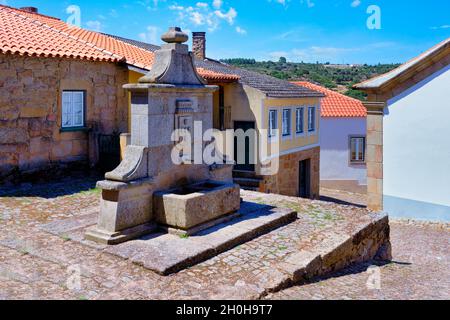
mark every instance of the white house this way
{"type": "Point", "coordinates": [342, 141]}
{"type": "Point", "coordinates": [409, 137]}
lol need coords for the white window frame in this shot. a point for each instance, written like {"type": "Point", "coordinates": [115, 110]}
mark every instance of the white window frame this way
{"type": "Point", "coordinates": [302, 112]}
{"type": "Point", "coordinates": [357, 151]}
{"type": "Point", "coordinates": [68, 108]}
{"type": "Point", "coordinates": [289, 133]}
{"type": "Point", "coordinates": [273, 135]}
{"type": "Point", "coordinates": [312, 131]}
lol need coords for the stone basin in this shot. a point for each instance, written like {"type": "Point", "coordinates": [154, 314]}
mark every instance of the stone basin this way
{"type": "Point", "coordinates": [192, 208]}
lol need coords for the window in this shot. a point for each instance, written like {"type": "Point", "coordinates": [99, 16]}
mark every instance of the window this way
{"type": "Point", "coordinates": [299, 120]}
{"type": "Point", "coordinates": [287, 122]}
{"type": "Point", "coordinates": [357, 149]}
{"type": "Point", "coordinates": [312, 119]}
{"type": "Point", "coordinates": [73, 109]}
{"type": "Point", "coordinates": [273, 123]}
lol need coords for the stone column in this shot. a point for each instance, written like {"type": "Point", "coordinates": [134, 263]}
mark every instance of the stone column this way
{"type": "Point", "coordinates": [375, 113]}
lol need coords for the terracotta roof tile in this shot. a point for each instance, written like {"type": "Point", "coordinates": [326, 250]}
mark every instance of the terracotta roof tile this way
{"type": "Point", "coordinates": [216, 76]}
{"type": "Point", "coordinates": [335, 104]}
{"type": "Point", "coordinates": [25, 35]}
{"type": "Point", "coordinates": [21, 26]}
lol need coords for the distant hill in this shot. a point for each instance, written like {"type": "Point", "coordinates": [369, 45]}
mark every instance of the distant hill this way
{"type": "Point", "coordinates": [340, 78]}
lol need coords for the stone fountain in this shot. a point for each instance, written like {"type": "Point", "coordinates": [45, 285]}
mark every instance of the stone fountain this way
{"type": "Point", "coordinates": [148, 191]}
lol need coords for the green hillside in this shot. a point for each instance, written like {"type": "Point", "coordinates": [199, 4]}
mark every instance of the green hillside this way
{"type": "Point", "coordinates": [340, 78]}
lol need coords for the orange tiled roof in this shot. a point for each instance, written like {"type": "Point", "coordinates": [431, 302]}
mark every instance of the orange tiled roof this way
{"type": "Point", "coordinates": [335, 104]}
{"type": "Point", "coordinates": [72, 42]}
{"type": "Point", "coordinates": [20, 34]}
{"type": "Point", "coordinates": [212, 75]}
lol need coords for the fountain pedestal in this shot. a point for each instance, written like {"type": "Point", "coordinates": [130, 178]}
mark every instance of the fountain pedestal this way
{"type": "Point", "coordinates": [171, 96]}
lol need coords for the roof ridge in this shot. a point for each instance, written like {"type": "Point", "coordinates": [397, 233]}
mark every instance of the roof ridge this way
{"type": "Point", "coordinates": [329, 90]}
{"type": "Point", "coordinates": [42, 24]}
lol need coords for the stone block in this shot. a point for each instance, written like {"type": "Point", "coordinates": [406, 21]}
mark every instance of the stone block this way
{"type": "Point", "coordinates": [187, 207]}
{"type": "Point", "coordinates": [125, 212]}
{"type": "Point", "coordinates": [33, 112]}
{"type": "Point", "coordinates": [375, 138]}
{"type": "Point", "coordinates": [14, 136]}
{"type": "Point", "coordinates": [374, 186]}
{"type": "Point", "coordinates": [61, 150]}
{"type": "Point", "coordinates": [375, 170]}
{"type": "Point", "coordinates": [375, 153]}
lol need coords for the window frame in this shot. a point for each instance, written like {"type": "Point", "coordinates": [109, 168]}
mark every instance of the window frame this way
{"type": "Point", "coordinates": [302, 112]}
{"type": "Point", "coordinates": [83, 111]}
{"type": "Point", "coordinates": [356, 162]}
{"type": "Point", "coordinates": [289, 123]}
{"type": "Point", "coordinates": [272, 135]}
{"type": "Point", "coordinates": [314, 123]}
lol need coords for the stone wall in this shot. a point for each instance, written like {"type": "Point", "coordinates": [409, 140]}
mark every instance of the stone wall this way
{"type": "Point", "coordinates": [286, 182]}
{"type": "Point", "coordinates": [30, 110]}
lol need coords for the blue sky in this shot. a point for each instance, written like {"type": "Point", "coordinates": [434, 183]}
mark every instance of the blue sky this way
{"type": "Point", "coordinates": [302, 30]}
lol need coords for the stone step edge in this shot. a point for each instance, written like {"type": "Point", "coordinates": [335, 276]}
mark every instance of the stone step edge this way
{"type": "Point", "coordinates": [321, 260]}
{"type": "Point", "coordinates": [210, 253]}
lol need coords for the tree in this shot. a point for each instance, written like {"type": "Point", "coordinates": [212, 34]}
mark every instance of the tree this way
{"type": "Point", "coordinates": [282, 60]}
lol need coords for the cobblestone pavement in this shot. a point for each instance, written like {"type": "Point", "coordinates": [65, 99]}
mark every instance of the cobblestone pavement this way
{"type": "Point", "coordinates": [343, 197]}
{"type": "Point", "coordinates": [37, 265]}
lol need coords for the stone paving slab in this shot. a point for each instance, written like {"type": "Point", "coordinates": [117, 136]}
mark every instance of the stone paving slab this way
{"type": "Point", "coordinates": [166, 253]}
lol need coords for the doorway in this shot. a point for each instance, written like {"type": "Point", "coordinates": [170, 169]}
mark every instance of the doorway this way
{"type": "Point", "coordinates": [247, 166]}
{"type": "Point", "coordinates": [304, 179]}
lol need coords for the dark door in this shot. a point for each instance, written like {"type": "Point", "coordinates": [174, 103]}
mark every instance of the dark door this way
{"type": "Point", "coordinates": [109, 152]}
{"type": "Point", "coordinates": [304, 179]}
{"type": "Point", "coordinates": [247, 166]}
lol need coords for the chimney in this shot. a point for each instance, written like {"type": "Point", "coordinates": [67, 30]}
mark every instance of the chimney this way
{"type": "Point", "coordinates": [30, 9]}
{"type": "Point", "coordinates": [199, 45]}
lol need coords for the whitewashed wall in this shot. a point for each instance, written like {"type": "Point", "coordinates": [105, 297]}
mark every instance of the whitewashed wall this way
{"type": "Point", "coordinates": [335, 153]}
{"type": "Point", "coordinates": [417, 150]}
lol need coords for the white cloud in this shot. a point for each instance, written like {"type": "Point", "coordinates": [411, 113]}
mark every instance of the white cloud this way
{"type": "Point", "coordinates": [94, 25]}
{"type": "Point", "coordinates": [230, 16]}
{"type": "Point", "coordinates": [241, 31]}
{"type": "Point", "coordinates": [356, 3]}
{"type": "Point", "coordinates": [445, 26]}
{"type": "Point", "coordinates": [217, 4]}
{"type": "Point", "coordinates": [151, 35]}
{"type": "Point", "coordinates": [203, 14]}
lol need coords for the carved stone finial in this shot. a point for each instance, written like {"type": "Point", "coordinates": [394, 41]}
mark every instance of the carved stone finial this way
{"type": "Point", "coordinates": [175, 35]}
{"type": "Point", "coordinates": [173, 63]}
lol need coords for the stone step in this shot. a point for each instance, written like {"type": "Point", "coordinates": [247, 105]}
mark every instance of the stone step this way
{"type": "Point", "coordinates": [245, 174]}
{"type": "Point", "coordinates": [247, 182]}
{"type": "Point", "coordinates": [166, 254]}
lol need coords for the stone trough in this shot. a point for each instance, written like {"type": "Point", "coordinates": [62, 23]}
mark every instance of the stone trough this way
{"type": "Point", "coordinates": [193, 208]}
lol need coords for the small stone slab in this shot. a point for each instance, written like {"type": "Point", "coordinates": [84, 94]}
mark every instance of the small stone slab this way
{"type": "Point", "coordinates": [166, 254]}
{"type": "Point", "coordinates": [68, 226]}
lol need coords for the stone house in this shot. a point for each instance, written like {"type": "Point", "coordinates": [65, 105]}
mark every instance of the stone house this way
{"type": "Point", "coordinates": [408, 152]}
{"type": "Point", "coordinates": [342, 141]}
{"type": "Point", "coordinates": [85, 91]}
{"type": "Point", "coordinates": [60, 91]}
